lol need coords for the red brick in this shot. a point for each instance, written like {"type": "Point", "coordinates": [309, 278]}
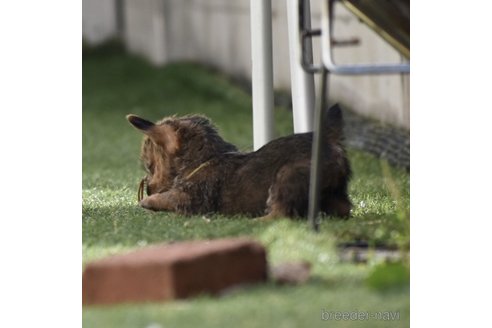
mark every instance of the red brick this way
{"type": "Point", "coordinates": [180, 270]}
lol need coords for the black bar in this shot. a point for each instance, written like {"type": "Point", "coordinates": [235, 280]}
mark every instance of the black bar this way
{"type": "Point", "coordinates": [317, 154]}
{"type": "Point", "coordinates": [309, 33]}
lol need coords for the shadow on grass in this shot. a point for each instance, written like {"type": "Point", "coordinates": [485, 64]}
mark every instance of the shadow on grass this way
{"type": "Point", "coordinates": [375, 230]}
{"type": "Point", "coordinates": [132, 225]}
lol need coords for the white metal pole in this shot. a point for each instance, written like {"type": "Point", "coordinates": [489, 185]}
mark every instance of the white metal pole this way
{"type": "Point", "coordinates": [301, 82]}
{"type": "Point", "coordinates": [262, 71]}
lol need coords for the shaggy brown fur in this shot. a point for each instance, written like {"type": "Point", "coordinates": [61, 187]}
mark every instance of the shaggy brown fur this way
{"type": "Point", "coordinates": [192, 170]}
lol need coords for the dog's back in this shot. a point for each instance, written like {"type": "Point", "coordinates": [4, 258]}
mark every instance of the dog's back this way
{"type": "Point", "coordinates": [274, 180]}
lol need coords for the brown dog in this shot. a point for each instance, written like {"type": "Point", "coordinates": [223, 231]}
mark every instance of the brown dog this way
{"type": "Point", "coordinates": [192, 170]}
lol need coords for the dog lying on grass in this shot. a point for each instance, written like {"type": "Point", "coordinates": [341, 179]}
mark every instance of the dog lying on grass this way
{"type": "Point", "coordinates": [192, 170]}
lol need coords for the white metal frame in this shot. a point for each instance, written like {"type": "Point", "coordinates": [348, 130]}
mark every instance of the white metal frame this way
{"type": "Point", "coordinates": [328, 66]}
{"type": "Point", "coordinates": [262, 71]}
{"type": "Point", "coordinates": [302, 83]}
{"type": "Point", "coordinates": [327, 54]}
{"type": "Point", "coordinates": [302, 80]}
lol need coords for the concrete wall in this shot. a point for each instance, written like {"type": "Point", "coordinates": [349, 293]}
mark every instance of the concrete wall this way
{"type": "Point", "coordinates": [217, 32]}
{"type": "Point", "coordinates": [99, 20]}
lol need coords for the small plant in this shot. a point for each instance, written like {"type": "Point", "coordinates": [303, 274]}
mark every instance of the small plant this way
{"type": "Point", "coordinates": [388, 276]}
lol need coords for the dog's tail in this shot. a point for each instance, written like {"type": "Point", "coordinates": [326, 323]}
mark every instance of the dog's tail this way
{"type": "Point", "coordinates": [334, 124]}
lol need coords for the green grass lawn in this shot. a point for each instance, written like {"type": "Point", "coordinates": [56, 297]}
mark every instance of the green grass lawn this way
{"type": "Point", "coordinates": [115, 84]}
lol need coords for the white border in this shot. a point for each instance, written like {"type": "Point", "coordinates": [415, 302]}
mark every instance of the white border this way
{"type": "Point", "coordinates": [41, 137]}
{"type": "Point", "coordinates": [450, 163]}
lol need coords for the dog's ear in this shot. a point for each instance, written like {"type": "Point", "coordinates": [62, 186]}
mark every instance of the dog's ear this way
{"type": "Point", "coordinates": [161, 134]}
{"type": "Point", "coordinates": [139, 122]}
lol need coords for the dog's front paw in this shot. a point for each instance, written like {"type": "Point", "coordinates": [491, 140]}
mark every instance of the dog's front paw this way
{"type": "Point", "coordinates": [166, 201]}
{"type": "Point", "coordinates": [149, 203]}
